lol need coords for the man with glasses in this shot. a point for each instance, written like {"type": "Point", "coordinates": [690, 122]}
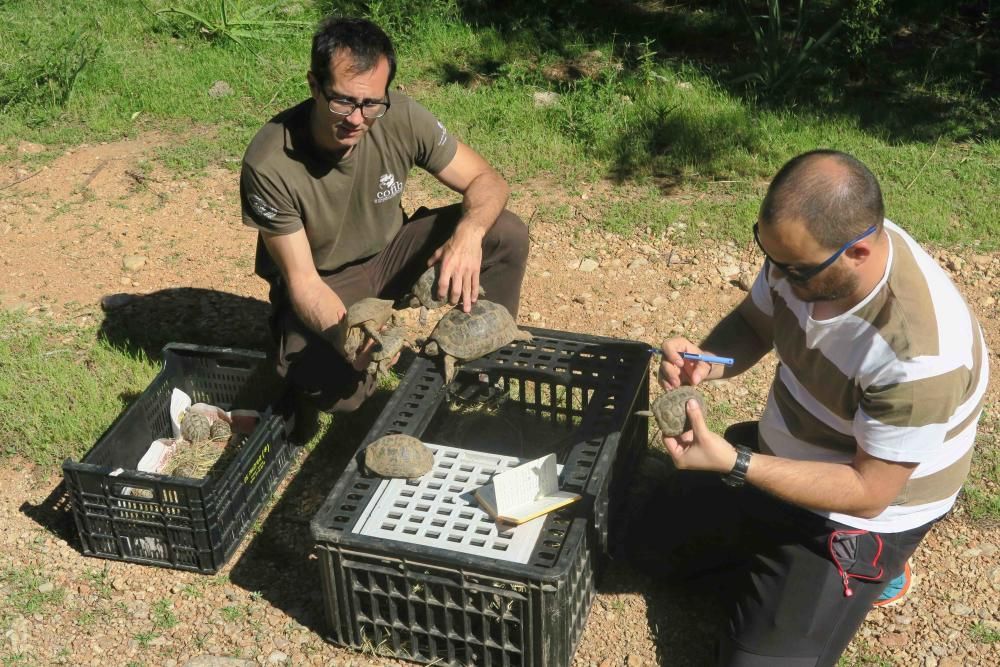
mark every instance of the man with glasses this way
{"type": "Point", "coordinates": [866, 437]}
{"type": "Point", "coordinates": [323, 182]}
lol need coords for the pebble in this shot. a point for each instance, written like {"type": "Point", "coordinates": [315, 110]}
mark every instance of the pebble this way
{"type": "Point", "coordinates": [588, 265]}
{"type": "Point", "coordinates": [133, 262]}
{"type": "Point", "coordinates": [535, 316]}
{"type": "Point", "coordinates": [47, 587]}
{"type": "Point", "coordinates": [961, 609]}
{"type": "Point", "coordinates": [637, 262]}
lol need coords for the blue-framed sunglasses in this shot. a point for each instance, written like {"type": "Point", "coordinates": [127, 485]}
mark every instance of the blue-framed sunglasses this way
{"type": "Point", "coordinates": [801, 275]}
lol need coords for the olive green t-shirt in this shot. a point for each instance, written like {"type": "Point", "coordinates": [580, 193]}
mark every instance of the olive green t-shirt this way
{"type": "Point", "coordinates": [350, 208]}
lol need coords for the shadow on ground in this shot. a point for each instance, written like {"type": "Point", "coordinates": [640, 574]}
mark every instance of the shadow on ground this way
{"type": "Point", "coordinates": [144, 323]}
{"type": "Point", "coordinates": [279, 563]}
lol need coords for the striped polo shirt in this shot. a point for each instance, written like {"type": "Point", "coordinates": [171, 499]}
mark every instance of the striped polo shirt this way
{"type": "Point", "coordinates": [902, 375]}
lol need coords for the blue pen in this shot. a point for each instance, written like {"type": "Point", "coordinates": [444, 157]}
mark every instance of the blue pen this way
{"type": "Point", "coordinates": [710, 358]}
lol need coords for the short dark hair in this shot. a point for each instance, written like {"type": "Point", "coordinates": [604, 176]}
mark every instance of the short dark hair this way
{"type": "Point", "coordinates": [835, 204]}
{"type": "Point", "coordinates": [365, 40]}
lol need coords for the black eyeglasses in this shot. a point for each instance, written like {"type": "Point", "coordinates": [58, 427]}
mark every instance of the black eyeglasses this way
{"type": "Point", "coordinates": [802, 275]}
{"type": "Point", "coordinates": [344, 107]}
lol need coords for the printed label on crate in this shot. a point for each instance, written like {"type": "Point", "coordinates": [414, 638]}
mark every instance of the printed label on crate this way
{"type": "Point", "coordinates": [440, 510]}
{"type": "Point", "coordinates": [251, 475]}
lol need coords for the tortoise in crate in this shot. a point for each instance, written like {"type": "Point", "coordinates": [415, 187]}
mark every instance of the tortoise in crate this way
{"type": "Point", "coordinates": [461, 336]}
{"type": "Point", "coordinates": [398, 455]}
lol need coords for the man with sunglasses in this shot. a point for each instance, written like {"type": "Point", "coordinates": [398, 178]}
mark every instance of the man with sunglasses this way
{"type": "Point", "coordinates": [867, 434]}
{"type": "Point", "coordinates": [323, 183]}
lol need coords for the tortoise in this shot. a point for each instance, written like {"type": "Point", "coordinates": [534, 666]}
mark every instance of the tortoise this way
{"type": "Point", "coordinates": [424, 292]}
{"type": "Point", "coordinates": [670, 410]}
{"type": "Point", "coordinates": [195, 427]}
{"type": "Point", "coordinates": [384, 352]}
{"type": "Point", "coordinates": [220, 430]}
{"type": "Point", "coordinates": [364, 317]}
{"type": "Point", "coordinates": [461, 336]}
{"type": "Point", "coordinates": [398, 455]}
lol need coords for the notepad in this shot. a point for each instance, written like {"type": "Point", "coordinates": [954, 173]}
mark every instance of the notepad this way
{"type": "Point", "coordinates": [525, 492]}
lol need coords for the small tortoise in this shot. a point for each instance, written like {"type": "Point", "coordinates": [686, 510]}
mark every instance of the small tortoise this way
{"type": "Point", "coordinates": [393, 340]}
{"type": "Point", "coordinates": [363, 318]}
{"type": "Point", "coordinates": [424, 292]}
{"type": "Point", "coordinates": [195, 427]}
{"type": "Point", "coordinates": [463, 336]}
{"type": "Point", "coordinates": [670, 410]}
{"type": "Point", "coordinates": [398, 455]}
{"type": "Point", "coordinates": [220, 430]}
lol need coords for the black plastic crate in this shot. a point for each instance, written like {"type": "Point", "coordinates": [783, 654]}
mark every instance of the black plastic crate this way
{"type": "Point", "coordinates": [189, 524]}
{"type": "Point", "coordinates": [567, 393]}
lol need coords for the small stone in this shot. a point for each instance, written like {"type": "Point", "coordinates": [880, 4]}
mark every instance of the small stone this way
{"type": "Point", "coordinates": [534, 316]}
{"type": "Point", "coordinates": [133, 262]}
{"type": "Point", "coordinates": [583, 298]}
{"type": "Point", "coordinates": [588, 265]}
{"type": "Point", "coordinates": [637, 262]}
{"type": "Point", "coordinates": [119, 584]}
{"type": "Point", "coordinates": [988, 302]}
{"type": "Point", "coordinates": [573, 264]}
{"type": "Point", "coordinates": [971, 553]}
{"type": "Point", "coordinates": [126, 281]}
{"type": "Point", "coordinates": [277, 658]}
{"type": "Point", "coordinates": [634, 660]}
{"type": "Point", "coordinates": [544, 99]}
{"type": "Point", "coordinates": [956, 264]}
{"type": "Point", "coordinates": [29, 148]}
{"type": "Point", "coordinates": [961, 609]}
{"type": "Point", "coordinates": [729, 271]}
{"type": "Point", "coordinates": [47, 587]}
{"type": "Point", "coordinates": [220, 89]}
{"type": "Point", "coordinates": [636, 332]}
{"type": "Point", "coordinates": [895, 639]}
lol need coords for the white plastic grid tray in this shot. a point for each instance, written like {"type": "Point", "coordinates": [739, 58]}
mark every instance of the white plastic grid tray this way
{"type": "Point", "coordinates": [439, 509]}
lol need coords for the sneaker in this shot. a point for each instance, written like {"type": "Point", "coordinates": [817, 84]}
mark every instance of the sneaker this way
{"type": "Point", "coordinates": [897, 589]}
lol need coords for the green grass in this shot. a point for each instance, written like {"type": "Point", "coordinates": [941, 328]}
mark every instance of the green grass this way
{"type": "Point", "coordinates": [23, 597]}
{"type": "Point", "coordinates": [984, 634]}
{"type": "Point", "coordinates": [60, 388]}
{"type": "Point", "coordinates": [645, 100]}
{"type": "Point", "coordinates": [981, 494]}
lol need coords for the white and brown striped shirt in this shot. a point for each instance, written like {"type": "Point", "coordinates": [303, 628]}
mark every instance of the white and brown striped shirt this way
{"type": "Point", "coordinates": [902, 375]}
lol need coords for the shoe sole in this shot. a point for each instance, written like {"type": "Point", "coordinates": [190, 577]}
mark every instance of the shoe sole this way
{"type": "Point", "coordinates": [903, 592]}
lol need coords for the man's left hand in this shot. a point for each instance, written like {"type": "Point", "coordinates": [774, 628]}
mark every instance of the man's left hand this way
{"type": "Point", "coordinates": [700, 448]}
{"type": "Point", "coordinates": [461, 258]}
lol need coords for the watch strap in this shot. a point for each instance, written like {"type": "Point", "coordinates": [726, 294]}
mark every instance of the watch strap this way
{"type": "Point", "coordinates": [738, 475]}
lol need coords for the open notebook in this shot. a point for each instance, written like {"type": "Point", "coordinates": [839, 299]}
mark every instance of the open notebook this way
{"type": "Point", "coordinates": [525, 492]}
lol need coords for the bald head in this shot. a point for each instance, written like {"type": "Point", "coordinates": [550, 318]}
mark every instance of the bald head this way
{"type": "Point", "coordinates": [833, 194]}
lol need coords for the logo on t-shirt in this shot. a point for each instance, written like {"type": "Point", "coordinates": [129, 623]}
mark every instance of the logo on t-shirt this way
{"type": "Point", "coordinates": [388, 187]}
{"type": "Point", "coordinates": [262, 207]}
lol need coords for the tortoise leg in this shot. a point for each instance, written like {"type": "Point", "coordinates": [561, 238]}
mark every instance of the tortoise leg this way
{"type": "Point", "coordinates": [523, 335]}
{"type": "Point", "coordinates": [423, 315]}
{"type": "Point", "coordinates": [373, 332]}
{"type": "Point", "coordinates": [449, 368]}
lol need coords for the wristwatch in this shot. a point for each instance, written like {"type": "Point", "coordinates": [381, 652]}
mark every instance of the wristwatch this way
{"type": "Point", "coordinates": [738, 475]}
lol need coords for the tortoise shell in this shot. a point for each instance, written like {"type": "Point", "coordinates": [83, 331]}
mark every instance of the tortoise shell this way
{"type": "Point", "coordinates": [369, 310]}
{"type": "Point", "coordinates": [425, 289]}
{"type": "Point", "coordinates": [220, 430]}
{"type": "Point", "coordinates": [466, 336]}
{"type": "Point", "coordinates": [670, 410]}
{"type": "Point", "coordinates": [195, 427]}
{"type": "Point", "coordinates": [398, 455]}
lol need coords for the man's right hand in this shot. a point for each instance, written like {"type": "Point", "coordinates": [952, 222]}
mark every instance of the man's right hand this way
{"type": "Point", "coordinates": [675, 370]}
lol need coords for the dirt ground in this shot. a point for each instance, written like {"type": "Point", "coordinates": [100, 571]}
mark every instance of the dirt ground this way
{"type": "Point", "coordinates": [95, 222]}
